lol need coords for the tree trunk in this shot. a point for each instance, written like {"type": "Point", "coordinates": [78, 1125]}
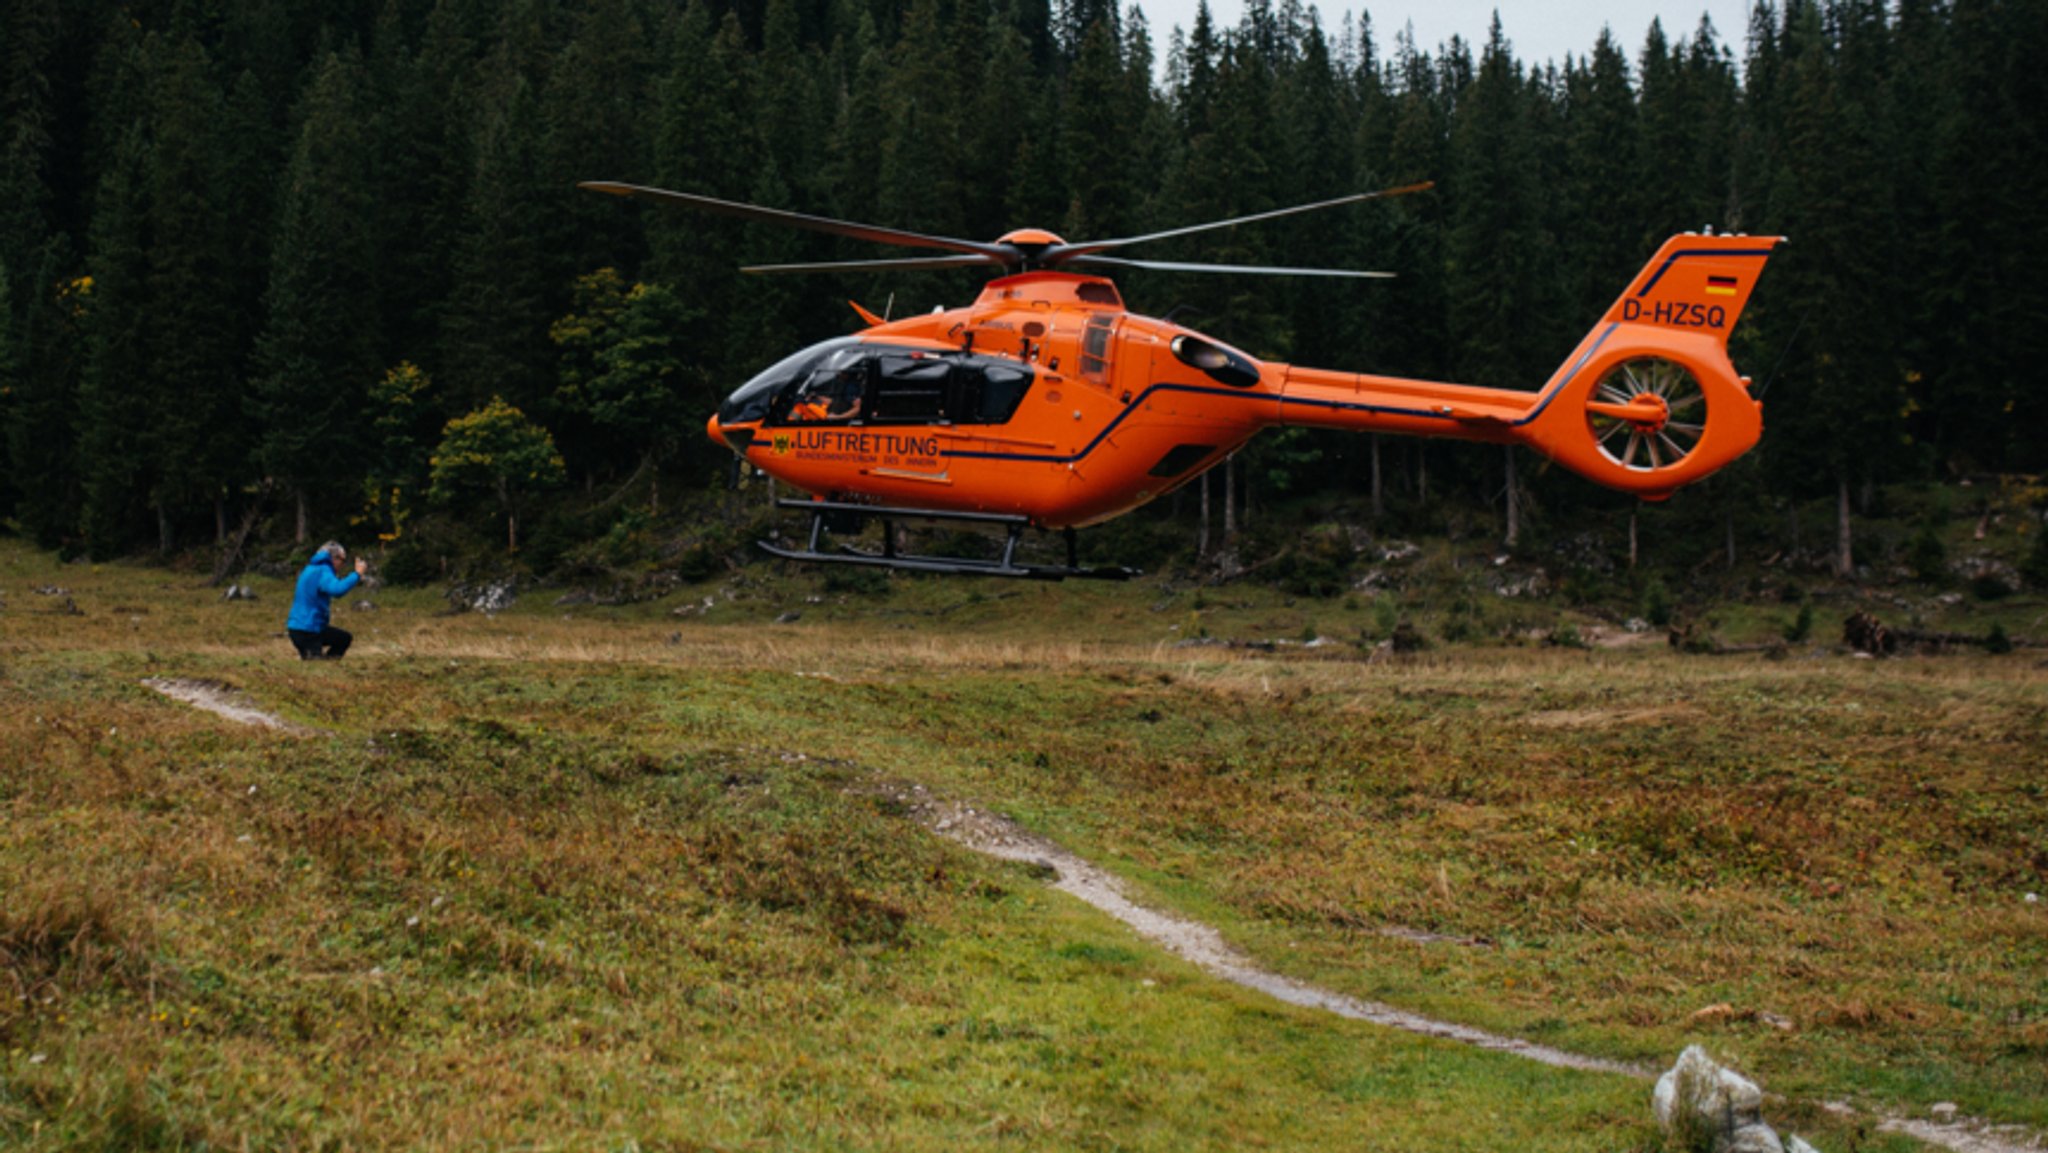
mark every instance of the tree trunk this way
{"type": "Point", "coordinates": [1845, 559]}
{"type": "Point", "coordinates": [164, 537]}
{"type": "Point", "coordinates": [1795, 528]}
{"type": "Point", "coordinates": [1422, 473]}
{"type": "Point", "coordinates": [1514, 536]}
{"type": "Point", "coordinates": [232, 552]}
{"type": "Point", "coordinates": [1230, 498]}
{"type": "Point", "coordinates": [1728, 530]}
{"type": "Point", "coordinates": [1379, 506]}
{"type": "Point", "coordinates": [220, 521]}
{"type": "Point", "coordinates": [654, 488]}
{"type": "Point", "coordinates": [1632, 511]}
{"type": "Point", "coordinates": [299, 526]}
{"type": "Point", "coordinates": [512, 532]}
{"type": "Point", "coordinates": [1202, 531]}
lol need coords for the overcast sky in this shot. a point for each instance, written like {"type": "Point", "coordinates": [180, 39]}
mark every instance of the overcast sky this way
{"type": "Point", "coordinates": [1540, 31]}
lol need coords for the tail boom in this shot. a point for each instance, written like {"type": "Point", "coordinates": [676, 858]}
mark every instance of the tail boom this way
{"type": "Point", "coordinates": [1648, 403]}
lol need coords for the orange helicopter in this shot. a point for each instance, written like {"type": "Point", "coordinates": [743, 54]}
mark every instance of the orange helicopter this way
{"type": "Point", "coordinates": [1046, 405]}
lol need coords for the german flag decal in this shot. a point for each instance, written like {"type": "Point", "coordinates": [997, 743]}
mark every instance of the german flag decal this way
{"type": "Point", "coordinates": [1720, 286]}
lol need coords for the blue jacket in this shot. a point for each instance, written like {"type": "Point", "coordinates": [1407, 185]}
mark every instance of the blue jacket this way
{"type": "Point", "coordinates": [317, 583]}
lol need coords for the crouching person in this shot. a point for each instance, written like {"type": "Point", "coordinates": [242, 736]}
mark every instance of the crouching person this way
{"type": "Point", "coordinates": [319, 582]}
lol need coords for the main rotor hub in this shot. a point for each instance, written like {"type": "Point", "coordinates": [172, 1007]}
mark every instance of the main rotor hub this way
{"type": "Point", "coordinates": [1029, 238]}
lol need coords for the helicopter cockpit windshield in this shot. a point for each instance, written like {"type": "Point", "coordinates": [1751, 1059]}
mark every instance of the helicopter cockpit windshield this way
{"type": "Point", "coordinates": [751, 401]}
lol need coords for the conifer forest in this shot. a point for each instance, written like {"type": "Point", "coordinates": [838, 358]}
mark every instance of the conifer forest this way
{"type": "Point", "coordinates": [327, 265]}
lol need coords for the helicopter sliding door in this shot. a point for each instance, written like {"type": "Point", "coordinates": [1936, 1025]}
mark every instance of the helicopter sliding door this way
{"type": "Point", "coordinates": [988, 390]}
{"type": "Point", "coordinates": [911, 387]}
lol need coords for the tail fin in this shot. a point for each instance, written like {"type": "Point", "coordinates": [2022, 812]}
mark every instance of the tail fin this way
{"type": "Point", "coordinates": [1649, 401]}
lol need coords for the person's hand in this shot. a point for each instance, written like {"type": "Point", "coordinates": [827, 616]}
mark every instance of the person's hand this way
{"type": "Point", "coordinates": [362, 567]}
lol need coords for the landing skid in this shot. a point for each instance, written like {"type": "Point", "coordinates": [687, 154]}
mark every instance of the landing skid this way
{"type": "Point", "coordinates": [1008, 566]}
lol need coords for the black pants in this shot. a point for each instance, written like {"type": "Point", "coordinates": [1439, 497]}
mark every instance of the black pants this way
{"type": "Point", "coordinates": [326, 645]}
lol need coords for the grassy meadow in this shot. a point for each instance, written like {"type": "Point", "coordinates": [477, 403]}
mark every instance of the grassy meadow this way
{"type": "Point", "coordinates": [589, 877]}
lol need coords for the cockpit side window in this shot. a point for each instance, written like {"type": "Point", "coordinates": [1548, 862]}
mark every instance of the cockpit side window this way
{"type": "Point", "coordinates": [835, 390]}
{"type": "Point", "coordinates": [1095, 346]}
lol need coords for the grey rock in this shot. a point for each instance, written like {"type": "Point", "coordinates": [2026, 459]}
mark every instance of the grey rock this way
{"type": "Point", "coordinates": [489, 597]}
{"type": "Point", "coordinates": [1758, 1138]}
{"type": "Point", "coordinates": [238, 592]}
{"type": "Point", "coordinates": [1795, 1145]}
{"type": "Point", "coordinates": [1726, 1104]}
{"type": "Point", "coordinates": [789, 617]}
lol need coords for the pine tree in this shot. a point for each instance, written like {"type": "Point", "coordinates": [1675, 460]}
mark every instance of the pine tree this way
{"type": "Point", "coordinates": [113, 417]}
{"type": "Point", "coordinates": [1843, 425]}
{"type": "Point", "coordinates": [592, 129]}
{"type": "Point", "coordinates": [10, 389]}
{"type": "Point", "coordinates": [421, 171]}
{"type": "Point", "coordinates": [194, 348]}
{"type": "Point", "coordinates": [703, 144]}
{"type": "Point", "coordinates": [1494, 259]}
{"type": "Point", "coordinates": [1101, 187]}
{"type": "Point", "coordinates": [1605, 230]}
{"type": "Point", "coordinates": [494, 329]}
{"type": "Point", "coordinates": [41, 415]}
{"type": "Point", "coordinates": [28, 36]}
{"type": "Point", "coordinates": [318, 351]}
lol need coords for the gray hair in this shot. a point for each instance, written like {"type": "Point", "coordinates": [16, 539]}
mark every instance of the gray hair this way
{"type": "Point", "coordinates": [333, 549]}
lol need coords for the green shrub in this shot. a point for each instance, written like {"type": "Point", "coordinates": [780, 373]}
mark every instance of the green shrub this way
{"type": "Point", "coordinates": [1584, 586]}
{"type": "Point", "coordinates": [1565, 636]}
{"type": "Point", "coordinates": [1801, 626]}
{"type": "Point", "coordinates": [409, 564]}
{"type": "Point", "coordinates": [1989, 586]}
{"type": "Point", "coordinates": [2035, 567]}
{"type": "Point", "coordinates": [1385, 615]}
{"type": "Point", "coordinates": [859, 580]}
{"type": "Point", "coordinates": [1656, 602]}
{"type": "Point", "coordinates": [1928, 557]}
{"type": "Point", "coordinates": [1464, 621]}
{"type": "Point", "coordinates": [1316, 564]}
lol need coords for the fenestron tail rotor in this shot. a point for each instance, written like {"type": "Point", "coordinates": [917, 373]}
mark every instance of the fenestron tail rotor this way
{"type": "Point", "coordinates": [1015, 252]}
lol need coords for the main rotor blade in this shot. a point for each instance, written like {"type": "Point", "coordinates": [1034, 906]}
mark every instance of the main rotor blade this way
{"type": "Point", "coordinates": [913, 264]}
{"type": "Point", "coordinates": [754, 212]}
{"type": "Point", "coordinates": [1089, 247]}
{"type": "Point", "coordinates": [1252, 269]}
